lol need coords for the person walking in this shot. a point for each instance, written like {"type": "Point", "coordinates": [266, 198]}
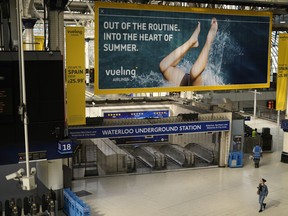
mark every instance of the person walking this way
{"type": "Point", "coordinates": [263, 193]}
{"type": "Point", "coordinates": [257, 154]}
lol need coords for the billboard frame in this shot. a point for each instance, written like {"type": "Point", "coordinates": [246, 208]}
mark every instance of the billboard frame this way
{"type": "Point", "coordinates": [144, 7]}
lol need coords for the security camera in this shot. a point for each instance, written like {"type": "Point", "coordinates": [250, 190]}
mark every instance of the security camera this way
{"type": "Point", "coordinates": [33, 171]}
{"type": "Point", "coordinates": [21, 171]}
{"type": "Point", "coordinates": [16, 175]}
{"type": "Point", "coordinates": [12, 176]}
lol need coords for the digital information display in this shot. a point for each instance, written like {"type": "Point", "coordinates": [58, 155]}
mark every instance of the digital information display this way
{"type": "Point", "coordinates": [5, 105]}
{"type": "Point", "coordinates": [139, 115]}
{"type": "Point", "coordinates": [33, 156]}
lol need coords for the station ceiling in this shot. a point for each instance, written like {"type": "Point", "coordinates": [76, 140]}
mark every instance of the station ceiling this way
{"type": "Point", "coordinates": [83, 10]}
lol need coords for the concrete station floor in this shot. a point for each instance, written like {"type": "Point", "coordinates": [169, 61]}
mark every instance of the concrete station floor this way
{"type": "Point", "coordinates": [199, 192]}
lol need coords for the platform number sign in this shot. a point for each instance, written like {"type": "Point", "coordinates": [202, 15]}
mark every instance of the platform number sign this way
{"type": "Point", "coordinates": [65, 147]}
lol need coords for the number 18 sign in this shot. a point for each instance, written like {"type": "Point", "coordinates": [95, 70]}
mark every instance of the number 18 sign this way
{"type": "Point", "coordinates": [65, 146]}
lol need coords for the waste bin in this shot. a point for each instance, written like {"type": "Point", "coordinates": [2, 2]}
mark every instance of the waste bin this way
{"type": "Point", "coordinates": [265, 131]}
{"type": "Point", "coordinates": [267, 142]}
{"type": "Point", "coordinates": [266, 139]}
{"type": "Point", "coordinates": [235, 159]}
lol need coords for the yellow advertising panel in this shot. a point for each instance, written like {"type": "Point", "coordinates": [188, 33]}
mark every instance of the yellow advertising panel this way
{"type": "Point", "coordinates": [39, 43]}
{"type": "Point", "coordinates": [152, 48]}
{"type": "Point", "coordinates": [281, 91]}
{"type": "Point", "coordinates": [75, 75]}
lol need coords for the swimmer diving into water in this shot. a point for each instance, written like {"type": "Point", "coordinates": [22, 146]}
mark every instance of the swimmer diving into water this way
{"type": "Point", "coordinates": [168, 66]}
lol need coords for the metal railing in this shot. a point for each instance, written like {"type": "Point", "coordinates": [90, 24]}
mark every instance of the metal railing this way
{"type": "Point", "coordinates": [264, 112]}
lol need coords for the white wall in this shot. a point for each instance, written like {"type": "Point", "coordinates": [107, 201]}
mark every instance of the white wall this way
{"type": "Point", "coordinates": [50, 173]}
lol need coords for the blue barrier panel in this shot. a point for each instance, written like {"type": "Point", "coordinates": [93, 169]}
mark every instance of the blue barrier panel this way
{"type": "Point", "coordinates": [82, 209]}
{"type": "Point", "coordinates": [66, 202]}
{"type": "Point", "coordinates": [71, 208]}
{"type": "Point", "coordinates": [73, 205]}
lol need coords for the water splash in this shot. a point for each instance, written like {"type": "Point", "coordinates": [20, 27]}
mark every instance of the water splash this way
{"type": "Point", "coordinates": [151, 79]}
{"type": "Point", "coordinates": [215, 73]}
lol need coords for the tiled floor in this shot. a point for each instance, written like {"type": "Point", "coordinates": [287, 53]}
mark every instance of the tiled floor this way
{"type": "Point", "coordinates": [213, 191]}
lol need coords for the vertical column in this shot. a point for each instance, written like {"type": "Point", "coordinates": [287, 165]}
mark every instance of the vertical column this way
{"type": "Point", "coordinates": [50, 173]}
{"type": "Point", "coordinates": [5, 39]}
{"type": "Point", "coordinates": [56, 24]}
{"type": "Point", "coordinates": [224, 148]}
{"type": "Point", "coordinates": [56, 30]}
{"type": "Point", "coordinates": [9, 28]}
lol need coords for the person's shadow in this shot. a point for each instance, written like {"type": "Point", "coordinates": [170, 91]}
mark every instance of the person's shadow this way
{"type": "Point", "coordinates": [272, 203]}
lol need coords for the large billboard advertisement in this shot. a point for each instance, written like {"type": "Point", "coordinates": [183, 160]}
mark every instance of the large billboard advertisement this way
{"type": "Point", "coordinates": [146, 48]}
